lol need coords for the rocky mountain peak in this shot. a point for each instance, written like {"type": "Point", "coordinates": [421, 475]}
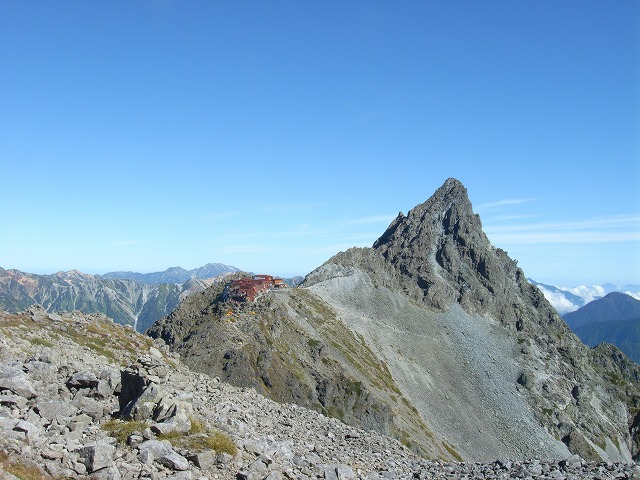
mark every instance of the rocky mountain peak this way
{"type": "Point", "coordinates": [442, 214]}
{"type": "Point", "coordinates": [440, 247]}
{"type": "Point", "coordinates": [432, 336]}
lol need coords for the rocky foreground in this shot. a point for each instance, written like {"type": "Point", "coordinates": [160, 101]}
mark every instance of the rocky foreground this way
{"type": "Point", "coordinates": [81, 397]}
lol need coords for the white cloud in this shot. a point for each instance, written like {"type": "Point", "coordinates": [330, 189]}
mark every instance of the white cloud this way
{"type": "Point", "coordinates": [609, 229]}
{"type": "Point", "coordinates": [503, 203]}
{"type": "Point", "coordinates": [635, 295]}
{"type": "Point", "coordinates": [503, 218]}
{"type": "Point", "coordinates": [588, 292]}
{"type": "Point", "coordinates": [561, 303]}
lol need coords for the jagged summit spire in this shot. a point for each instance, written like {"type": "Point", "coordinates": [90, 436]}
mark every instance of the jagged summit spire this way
{"type": "Point", "coordinates": [443, 211]}
{"type": "Point", "coordinates": [452, 192]}
{"type": "Point", "coordinates": [440, 247]}
{"type": "Point", "coordinates": [452, 187]}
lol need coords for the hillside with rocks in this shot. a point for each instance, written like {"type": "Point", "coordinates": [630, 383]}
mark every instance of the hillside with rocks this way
{"type": "Point", "coordinates": [83, 397]}
{"type": "Point", "coordinates": [432, 336]}
{"type": "Point", "coordinates": [126, 301]}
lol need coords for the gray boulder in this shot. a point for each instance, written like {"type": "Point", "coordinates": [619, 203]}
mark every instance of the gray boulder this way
{"type": "Point", "coordinates": [97, 455]}
{"type": "Point", "coordinates": [17, 382]}
{"type": "Point", "coordinates": [55, 410]}
{"type": "Point", "coordinates": [139, 387]}
{"type": "Point", "coordinates": [84, 379]}
{"type": "Point", "coordinates": [30, 431]}
{"type": "Point", "coordinates": [152, 449]}
{"type": "Point", "coordinates": [174, 461]}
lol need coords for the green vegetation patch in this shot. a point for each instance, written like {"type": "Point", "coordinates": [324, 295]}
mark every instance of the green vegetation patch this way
{"type": "Point", "coordinates": [200, 438]}
{"type": "Point", "coordinates": [41, 342]}
{"type": "Point", "coordinates": [120, 430]}
{"type": "Point", "coordinates": [200, 442]}
{"type": "Point", "coordinates": [452, 451]}
{"type": "Point", "coordinates": [21, 470]}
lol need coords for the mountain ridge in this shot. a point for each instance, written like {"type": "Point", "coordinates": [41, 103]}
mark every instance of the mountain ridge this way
{"type": "Point", "coordinates": [614, 319]}
{"type": "Point", "coordinates": [466, 346]}
{"type": "Point", "coordinates": [125, 301]}
{"type": "Point", "coordinates": [570, 299]}
{"type": "Point", "coordinates": [175, 274]}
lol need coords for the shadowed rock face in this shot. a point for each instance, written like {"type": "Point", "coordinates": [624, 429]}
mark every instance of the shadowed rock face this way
{"type": "Point", "coordinates": [439, 330]}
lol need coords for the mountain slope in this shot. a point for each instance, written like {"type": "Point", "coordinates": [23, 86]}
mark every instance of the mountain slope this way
{"type": "Point", "coordinates": [291, 347]}
{"type": "Point", "coordinates": [432, 335]}
{"type": "Point", "coordinates": [68, 384]}
{"type": "Point", "coordinates": [624, 334]}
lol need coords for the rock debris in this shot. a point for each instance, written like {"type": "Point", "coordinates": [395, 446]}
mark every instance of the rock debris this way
{"type": "Point", "coordinates": [64, 380]}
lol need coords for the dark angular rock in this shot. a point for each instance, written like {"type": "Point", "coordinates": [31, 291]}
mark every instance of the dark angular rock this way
{"type": "Point", "coordinates": [97, 455]}
{"type": "Point", "coordinates": [82, 380]}
{"type": "Point", "coordinates": [174, 461]}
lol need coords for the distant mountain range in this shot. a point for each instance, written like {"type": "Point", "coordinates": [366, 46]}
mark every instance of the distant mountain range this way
{"type": "Point", "coordinates": [175, 274]}
{"type": "Point", "coordinates": [569, 299]}
{"type": "Point", "coordinates": [614, 319]}
{"type": "Point", "coordinates": [128, 298]}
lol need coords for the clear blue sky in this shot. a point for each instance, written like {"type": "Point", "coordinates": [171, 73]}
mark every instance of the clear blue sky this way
{"type": "Point", "coordinates": [271, 135]}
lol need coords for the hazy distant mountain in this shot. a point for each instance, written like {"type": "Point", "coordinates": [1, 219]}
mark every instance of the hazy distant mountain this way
{"type": "Point", "coordinates": [624, 334]}
{"type": "Point", "coordinates": [613, 307]}
{"type": "Point", "coordinates": [569, 299]}
{"type": "Point", "coordinates": [614, 319]}
{"type": "Point", "coordinates": [126, 301]}
{"type": "Point", "coordinates": [562, 300]}
{"type": "Point", "coordinates": [175, 274]}
{"type": "Point", "coordinates": [293, 281]}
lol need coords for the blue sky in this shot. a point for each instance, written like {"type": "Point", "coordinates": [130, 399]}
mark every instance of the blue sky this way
{"type": "Point", "coordinates": [271, 135]}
